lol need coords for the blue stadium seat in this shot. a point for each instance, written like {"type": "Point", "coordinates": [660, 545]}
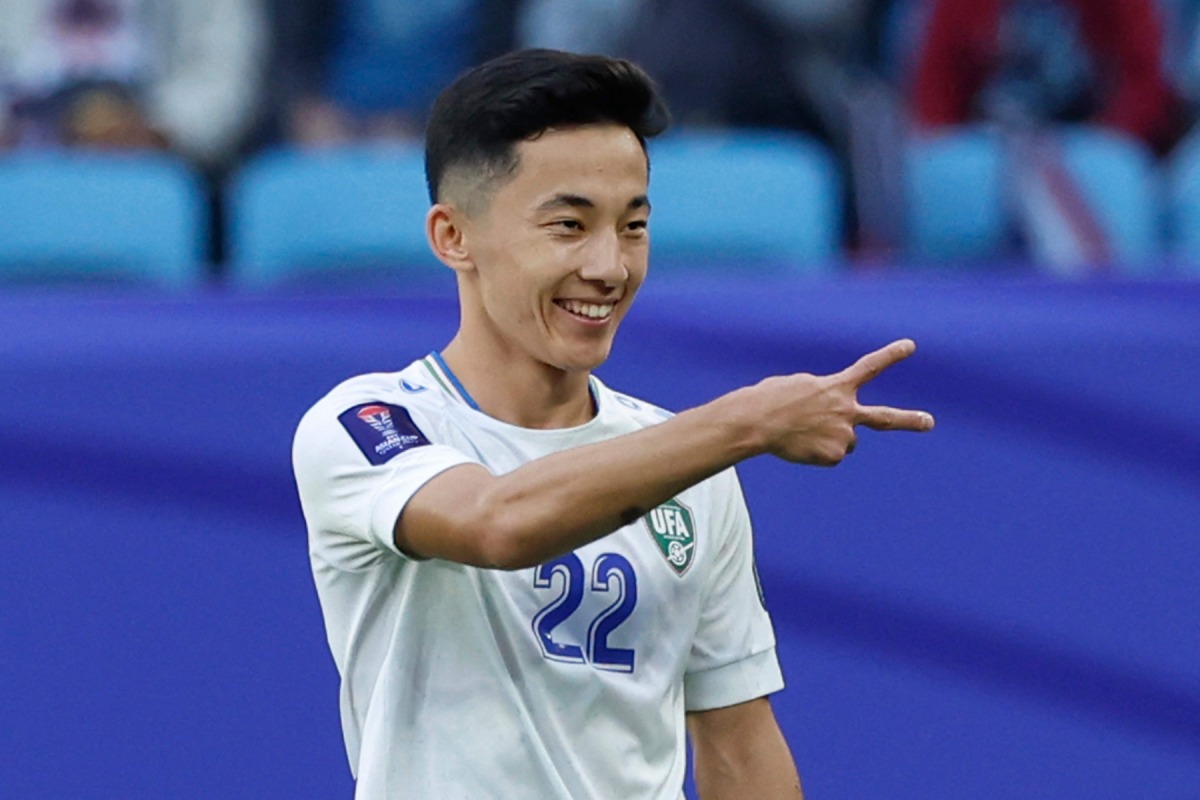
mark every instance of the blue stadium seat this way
{"type": "Point", "coordinates": [297, 215]}
{"type": "Point", "coordinates": [761, 199]}
{"type": "Point", "coordinates": [91, 217]}
{"type": "Point", "coordinates": [744, 200]}
{"type": "Point", "coordinates": [955, 199]}
{"type": "Point", "coordinates": [1183, 204]}
{"type": "Point", "coordinates": [958, 210]}
{"type": "Point", "coordinates": [1117, 174]}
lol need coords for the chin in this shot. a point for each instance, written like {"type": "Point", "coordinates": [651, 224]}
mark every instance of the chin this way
{"type": "Point", "coordinates": [581, 366]}
{"type": "Point", "coordinates": [582, 362]}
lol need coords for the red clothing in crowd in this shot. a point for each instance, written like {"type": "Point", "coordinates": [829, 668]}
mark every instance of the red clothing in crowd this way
{"type": "Point", "coordinates": [960, 51]}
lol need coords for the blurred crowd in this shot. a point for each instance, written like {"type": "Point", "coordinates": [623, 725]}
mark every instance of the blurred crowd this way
{"type": "Point", "coordinates": [219, 80]}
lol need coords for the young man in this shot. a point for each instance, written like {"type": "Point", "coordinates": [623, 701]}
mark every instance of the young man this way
{"type": "Point", "coordinates": [534, 586]}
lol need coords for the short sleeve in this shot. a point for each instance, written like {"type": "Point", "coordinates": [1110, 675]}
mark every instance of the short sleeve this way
{"type": "Point", "coordinates": [733, 658]}
{"type": "Point", "coordinates": [356, 467]}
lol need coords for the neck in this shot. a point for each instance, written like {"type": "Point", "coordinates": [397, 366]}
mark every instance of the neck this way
{"type": "Point", "coordinates": [520, 391]}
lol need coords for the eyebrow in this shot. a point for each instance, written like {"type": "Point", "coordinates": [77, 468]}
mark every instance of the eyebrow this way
{"type": "Point", "coordinates": [564, 200]}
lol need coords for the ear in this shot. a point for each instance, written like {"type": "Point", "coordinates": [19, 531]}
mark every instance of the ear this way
{"type": "Point", "coordinates": [445, 230]}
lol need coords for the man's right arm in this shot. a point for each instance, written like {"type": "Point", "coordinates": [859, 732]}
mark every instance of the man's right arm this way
{"type": "Point", "coordinates": [558, 503]}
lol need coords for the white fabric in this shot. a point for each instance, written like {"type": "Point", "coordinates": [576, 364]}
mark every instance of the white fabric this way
{"type": "Point", "coordinates": [60, 51]}
{"type": "Point", "coordinates": [199, 64]}
{"type": "Point", "coordinates": [446, 692]}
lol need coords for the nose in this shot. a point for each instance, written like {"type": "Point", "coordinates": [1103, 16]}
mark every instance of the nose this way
{"type": "Point", "coordinates": [606, 261]}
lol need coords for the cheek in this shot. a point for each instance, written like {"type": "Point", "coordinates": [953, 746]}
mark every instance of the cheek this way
{"type": "Point", "coordinates": [510, 294]}
{"type": "Point", "coordinates": [505, 302]}
{"type": "Point", "coordinates": [638, 264]}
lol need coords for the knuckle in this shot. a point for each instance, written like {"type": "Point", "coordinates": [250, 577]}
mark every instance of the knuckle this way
{"type": "Point", "coordinates": [833, 456]}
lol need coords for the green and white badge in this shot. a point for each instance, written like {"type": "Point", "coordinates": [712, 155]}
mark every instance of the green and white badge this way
{"type": "Point", "coordinates": [674, 530]}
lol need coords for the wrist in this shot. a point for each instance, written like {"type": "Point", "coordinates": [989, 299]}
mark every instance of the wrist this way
{"type": "Point", "coordinates": [743, 425]}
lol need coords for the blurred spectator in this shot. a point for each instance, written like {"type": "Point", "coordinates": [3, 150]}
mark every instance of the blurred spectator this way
{"type": "Point", "coordinates": [1181, 20]}
{"type": "Point", "coordinates": [766, 63]}
{"type": "Point", "coordinates": [578, 26]}
{"type": "Point", "coordinates": [131, 73]}
{"type": "Point", "coordinates": [1046, 61]}
{"type": "Point", "coordinates": [348, 70]}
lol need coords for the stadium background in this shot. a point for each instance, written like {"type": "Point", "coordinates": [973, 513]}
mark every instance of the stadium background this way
{"type": "Point", "coordinates": [1004, 608]}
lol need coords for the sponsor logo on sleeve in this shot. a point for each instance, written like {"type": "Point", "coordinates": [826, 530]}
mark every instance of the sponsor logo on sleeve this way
{"type": "Point", "coordinates": [381, 431]}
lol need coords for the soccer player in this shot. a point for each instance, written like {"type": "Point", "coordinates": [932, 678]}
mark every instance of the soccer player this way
{"type": "Point", "coordinates": [534, 586]}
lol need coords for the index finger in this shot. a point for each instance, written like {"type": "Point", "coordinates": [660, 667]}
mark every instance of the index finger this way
{"type": "Point", "coordinates": [876, 362]}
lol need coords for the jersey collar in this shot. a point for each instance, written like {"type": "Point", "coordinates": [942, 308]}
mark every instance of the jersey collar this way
{"type": "Point", "coordinates": [451, 385]}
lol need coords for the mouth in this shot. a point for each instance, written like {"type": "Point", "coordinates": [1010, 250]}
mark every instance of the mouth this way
{"type": "Point", "coordinates": [592, 312]}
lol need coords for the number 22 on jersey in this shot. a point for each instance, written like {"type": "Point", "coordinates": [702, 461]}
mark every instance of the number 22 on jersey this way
{"type": "Point", "coordinates": [611, 574]}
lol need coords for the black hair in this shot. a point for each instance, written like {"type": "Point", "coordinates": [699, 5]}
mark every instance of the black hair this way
{"type": "Point", "coordinates": [478, 119]}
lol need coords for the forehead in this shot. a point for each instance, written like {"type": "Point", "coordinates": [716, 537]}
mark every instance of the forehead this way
{"type": "Point", "coordinates": [601, 162]}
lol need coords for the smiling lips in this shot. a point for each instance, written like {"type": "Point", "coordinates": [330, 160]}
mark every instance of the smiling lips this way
{"type": "Point", "coordinates": [593, 311]}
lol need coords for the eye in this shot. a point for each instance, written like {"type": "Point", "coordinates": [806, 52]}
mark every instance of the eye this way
{"type": "Point", "coordinates": [637, 226]}
{"type": "Point", "coordinates": [568, 224]}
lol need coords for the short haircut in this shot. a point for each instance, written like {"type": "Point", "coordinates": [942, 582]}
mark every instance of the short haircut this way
{"type": "Point", "coordinates": [477, 121]}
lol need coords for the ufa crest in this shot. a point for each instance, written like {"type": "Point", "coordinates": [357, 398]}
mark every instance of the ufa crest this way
{"type": "Point", "coordinates": [673, 527]}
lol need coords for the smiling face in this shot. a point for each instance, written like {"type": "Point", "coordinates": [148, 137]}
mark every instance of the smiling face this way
{"type": "Point", "coordinates": [550, 260]}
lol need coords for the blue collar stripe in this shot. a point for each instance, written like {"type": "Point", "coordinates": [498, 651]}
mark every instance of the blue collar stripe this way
{"type": "Point", "coordinates": [441, 362]}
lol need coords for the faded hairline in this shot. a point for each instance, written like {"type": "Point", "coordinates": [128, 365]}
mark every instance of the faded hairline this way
{"type": "Point", "coordinates": [469, 187]}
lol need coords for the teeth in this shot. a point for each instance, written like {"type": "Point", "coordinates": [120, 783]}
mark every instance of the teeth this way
{"type": "Point", "coordinates": [591, 310]}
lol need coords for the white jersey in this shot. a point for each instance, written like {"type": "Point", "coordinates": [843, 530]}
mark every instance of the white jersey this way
{"type": "Point", "coordinates": [568, 680]}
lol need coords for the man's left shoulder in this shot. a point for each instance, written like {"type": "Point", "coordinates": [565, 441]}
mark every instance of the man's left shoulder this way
{"type": "Point", "coordinates": [641, 411]}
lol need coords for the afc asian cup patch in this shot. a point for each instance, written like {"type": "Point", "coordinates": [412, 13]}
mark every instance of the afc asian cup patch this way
{"type": "Point", "coordinates": [673, 528]}
{"type": "Point", "coordinates": [381, 431]}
